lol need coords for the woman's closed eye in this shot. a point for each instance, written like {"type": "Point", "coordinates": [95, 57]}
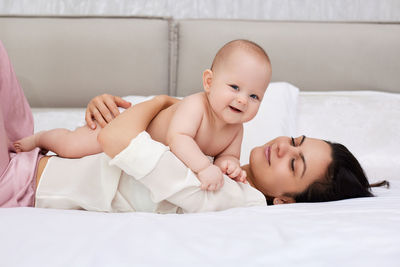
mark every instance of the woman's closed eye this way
{"type": "Point", "coordinates": [292, 160]}
{"type": "Point", "coordinates": [301, 156]}
{"type": "Point", "coordinates": [292, 165]}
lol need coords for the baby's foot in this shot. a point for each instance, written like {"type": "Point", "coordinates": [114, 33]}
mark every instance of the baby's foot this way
{"type": "Point", "coordinates": [26, 144]}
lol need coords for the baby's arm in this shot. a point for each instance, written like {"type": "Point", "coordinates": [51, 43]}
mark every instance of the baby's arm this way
{"type": "Point", "coordinates": [228, 160]}
{"type": "Point", "coordinates": [180, 138]}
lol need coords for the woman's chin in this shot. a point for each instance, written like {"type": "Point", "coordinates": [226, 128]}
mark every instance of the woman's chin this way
{"type": "Point", "coordinates": [255, 154]}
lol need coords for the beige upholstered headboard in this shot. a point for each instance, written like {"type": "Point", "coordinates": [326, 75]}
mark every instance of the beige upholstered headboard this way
{"type": "Point", "coordinates": [65, 61]}
{"type": "Point", "coordinates": [313, 56]}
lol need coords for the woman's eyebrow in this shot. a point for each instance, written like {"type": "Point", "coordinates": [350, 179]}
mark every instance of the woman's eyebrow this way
{"type": "Point", "coordinates": [302, 140]}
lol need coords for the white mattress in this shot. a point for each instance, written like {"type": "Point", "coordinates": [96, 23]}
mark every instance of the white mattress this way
{"type": "Point", "coordinates": [356, 232]}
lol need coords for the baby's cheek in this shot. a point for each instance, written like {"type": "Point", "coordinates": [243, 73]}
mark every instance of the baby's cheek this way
{"type": "Point", "coordinates": [253, 111]}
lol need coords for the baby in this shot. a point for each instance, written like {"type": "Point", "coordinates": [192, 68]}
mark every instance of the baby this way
{"type": "Point", "coordinates": [207, 123]}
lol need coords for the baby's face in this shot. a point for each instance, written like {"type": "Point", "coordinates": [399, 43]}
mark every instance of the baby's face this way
{"type": "Point", "coordinates": [238, 87]}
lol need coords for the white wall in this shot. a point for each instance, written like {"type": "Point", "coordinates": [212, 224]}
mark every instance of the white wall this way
{"type": "Point", "coordinates": [320, 10]}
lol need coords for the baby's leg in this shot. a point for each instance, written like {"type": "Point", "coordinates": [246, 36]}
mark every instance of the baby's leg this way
{"type": "Point", "coordinates": [65, 143]}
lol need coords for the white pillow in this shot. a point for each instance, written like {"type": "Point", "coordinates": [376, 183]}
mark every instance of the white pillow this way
{"type": "Point", "coordinates": [366, 122]}
{"type": "Point", "coordinates": [135, 99]}
{"type": "Point", "coordinates": [276, 117]}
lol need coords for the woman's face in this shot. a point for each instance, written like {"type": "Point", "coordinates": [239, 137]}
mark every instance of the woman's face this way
{"type": "Point", "coordinates": [288, 165]}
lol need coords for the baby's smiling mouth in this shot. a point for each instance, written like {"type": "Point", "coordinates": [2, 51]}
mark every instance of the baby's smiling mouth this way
{"type": "Point", "coordinates": [235, 109]}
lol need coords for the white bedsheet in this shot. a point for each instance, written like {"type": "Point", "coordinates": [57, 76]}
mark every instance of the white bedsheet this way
{"type": "Point", "coordinates": [356, 232]}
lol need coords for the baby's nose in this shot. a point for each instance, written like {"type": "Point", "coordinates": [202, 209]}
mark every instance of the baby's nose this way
{"type": "Point", "coordinates": [242, 99]}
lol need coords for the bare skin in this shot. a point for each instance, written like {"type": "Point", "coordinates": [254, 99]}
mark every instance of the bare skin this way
{"type": "Point", "coordinates": [83, 140]}
{"type": "Point", "coordinates": [40, 168]}
{"type": "Point", "coordinates": [27, 143]}
{"type": "Point", "coordinates": [70, 147]}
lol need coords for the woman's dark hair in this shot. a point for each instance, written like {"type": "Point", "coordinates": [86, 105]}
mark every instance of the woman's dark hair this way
{"type": "Point", "coordinates": [344, 179]}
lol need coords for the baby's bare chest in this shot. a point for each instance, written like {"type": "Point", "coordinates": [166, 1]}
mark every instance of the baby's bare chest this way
{"type": "Point", "coordinates": [212, 142]}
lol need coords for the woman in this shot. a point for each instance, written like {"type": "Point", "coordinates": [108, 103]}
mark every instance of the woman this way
{"type": "Point", "coordinates": [318, 170]}
{"type": "Point", "coordinates": [285, 170]}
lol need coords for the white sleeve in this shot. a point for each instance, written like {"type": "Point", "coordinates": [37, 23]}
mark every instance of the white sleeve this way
{"type": "Point", "coordinates": [167, 178]}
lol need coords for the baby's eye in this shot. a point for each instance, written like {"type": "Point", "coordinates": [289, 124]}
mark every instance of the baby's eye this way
{"type": "Point", "coordinates": [234, 87]}
{"type": "Point", "coordinates": [254, 97]}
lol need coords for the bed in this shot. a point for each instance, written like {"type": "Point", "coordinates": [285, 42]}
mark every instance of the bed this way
{"type": "Point", "coordinates": [336, 81]}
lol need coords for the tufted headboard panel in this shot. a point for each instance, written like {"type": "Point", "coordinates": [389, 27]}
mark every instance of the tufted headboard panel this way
{"type": "Point", "coordinates": [314, 56]}
{"type": "Point", "coordinates": [65, 61]}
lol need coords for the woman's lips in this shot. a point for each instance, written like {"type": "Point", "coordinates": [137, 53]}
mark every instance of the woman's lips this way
{"type": "Point", "coordinates": [268, 154]}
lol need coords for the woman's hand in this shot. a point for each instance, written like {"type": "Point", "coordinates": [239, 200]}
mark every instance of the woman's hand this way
{"type": "Point", "coordinates": [103, 109]}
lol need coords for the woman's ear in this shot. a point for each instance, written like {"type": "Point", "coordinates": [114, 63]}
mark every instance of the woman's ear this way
{"type": "Point", "coordinates": [283, 200]}
{"type": "Point", "coordinates": [207, 80]}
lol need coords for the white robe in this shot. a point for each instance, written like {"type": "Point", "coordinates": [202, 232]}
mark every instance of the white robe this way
{"type": "Point", "coordinates": [145, 176]}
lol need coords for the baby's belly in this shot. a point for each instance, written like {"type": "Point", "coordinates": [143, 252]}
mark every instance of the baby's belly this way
{"type": "Point", "coordinates": [212, 148]}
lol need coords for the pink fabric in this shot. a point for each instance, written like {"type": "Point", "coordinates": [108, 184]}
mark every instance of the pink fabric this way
{"type": "Point", "coordinates": [17, 180]}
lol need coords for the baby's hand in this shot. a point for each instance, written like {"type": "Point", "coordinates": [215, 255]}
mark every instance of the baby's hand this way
{"type": "Point", "coordinates": [211, 178]}
{"type": "Point", "coordinates": [233, 170]}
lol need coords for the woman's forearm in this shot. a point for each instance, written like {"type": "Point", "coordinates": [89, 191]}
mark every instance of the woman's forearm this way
{"type": "Point", "coordinates": [117, 135]}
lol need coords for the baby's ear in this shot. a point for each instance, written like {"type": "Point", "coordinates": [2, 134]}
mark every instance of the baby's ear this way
{"type": "Point", "coordinates": [207, 79]}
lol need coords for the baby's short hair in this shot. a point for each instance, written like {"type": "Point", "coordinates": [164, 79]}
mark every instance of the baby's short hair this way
{"type": "Point", "coordinates": [231, 46]}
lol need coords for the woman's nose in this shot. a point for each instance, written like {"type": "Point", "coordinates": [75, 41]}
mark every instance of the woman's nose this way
{"type": "Point", "coordinates": [284, 149]}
